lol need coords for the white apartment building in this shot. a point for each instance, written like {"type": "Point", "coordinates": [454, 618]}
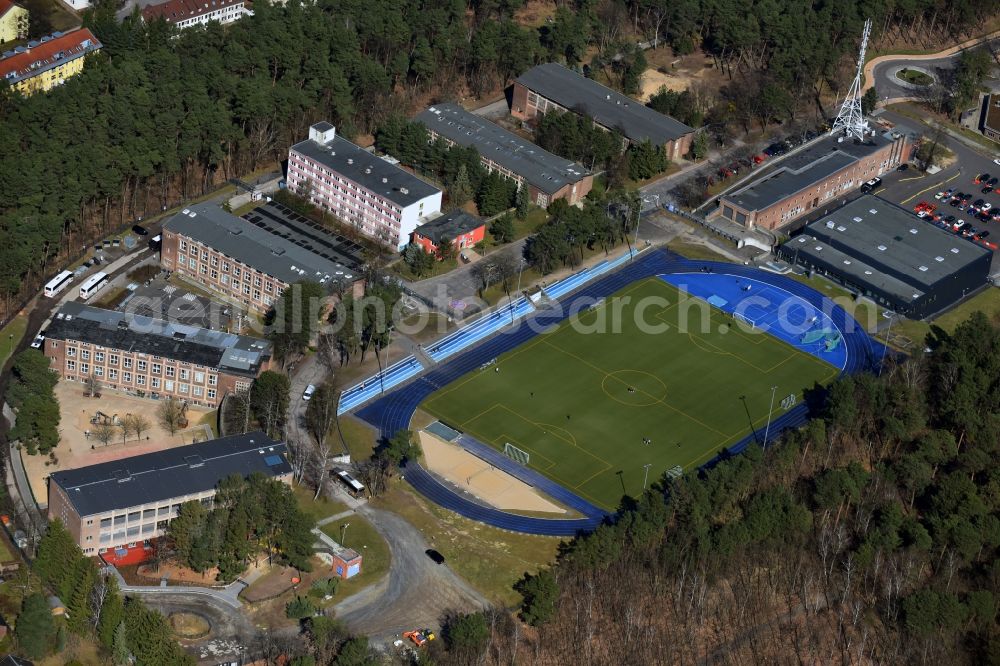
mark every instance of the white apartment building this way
{"type": "Point", "coordinates": [379, 198]}
{"type": "Point", "coordinates": [187, 13]}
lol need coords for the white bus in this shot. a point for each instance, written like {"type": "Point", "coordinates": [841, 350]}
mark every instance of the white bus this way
{"type": "Point", "coordinates": [94, 284]}
{"type": "Point", "coordinates": [58, 283]}
{"type": "Point", "coordinates": [355, 487]}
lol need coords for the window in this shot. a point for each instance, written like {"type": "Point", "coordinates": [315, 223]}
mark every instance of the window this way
{"type": "Point", "coordinates": [215, 274]}
{"type": "Point", "coordinates": [215, 260]}
{"type": "Point", "coordinates": [105, 522]}
{"type": "Point", "coordinates": [236, 285]}
{"type": "Point", "coordinates": [204, 269]}
{"type": "Point", "coordinates": [171, 371]}
{"type": "Point", "coordinates": [71, 366]}
{"type": "Point", "coordinates": [197, 391]}
{"type": "Point", "coordinates": [194, 251]}
{"type": "Point", "coordinates": [225, 279]}
{"type": "Point", "coordinates": [225, 266]}
{"type": "Point", "coordinates": [182, 260]}
{"type": "Point", "coordinates": [99, 357]}
{"type": "Point", "coordinates": [85, 355]}
{"type": "Point", "coordinates": [148, 528]}
{"type": "Point", "coordinates": [157, 369]}
{"type": "Point", "coordinates": [148, 513]}
{"type": "Point", "coordinates": [184, 374]}
{"type": "Point", "coordinates": [133, 517]}
{"type": "Point", "coordinates": [113, 359]}
{"type": "Point", "coordinates": [211, 394]}
{"type": "Point", "coordinates": [128, 363]}
{"type": "Point", "coordinates": [256, 294]}
{"type": "Point", "coordinates": [199, 377]}
{"type": "Point", "coordinates": [155, 382]}
{"type": "Point", "coordinates": [119, 520]}
{"type": "Point", "coordinates": [213, 380]}
{"type": "Point", "coordinates": [163, 511]}
{"type": "Point", "coordinates": [268, 286]}
{"type": "Point", "coordinates": [127, 377]}
{"type": "Point", "coordinates": [140, 380]}
{"type": "Point", "coordinates": [71, 351]}
{"type": "Point", "coordinates": [183, 246]}
{"type": "Point", "coordinates": [98, 371]}
{"type": "Point", "coordinates": [204, 255]}
{"type": "Point", "coordinates": [105, 538]}
{"type": "Point", "coordinates": [133, 531]}
{"type": "Point", "coordinates": [236, 271]}
{"type": "Point", "coordinates": [84, 368]}
{"type": "Point", "coordinates": [183, 388]}
{"type": "Point", "coordinates": [256, 281]}
{"type": "Point", "coordinates": [246, 289]}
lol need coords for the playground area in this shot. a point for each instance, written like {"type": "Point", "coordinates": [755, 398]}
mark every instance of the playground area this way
{"type": "Point", "coordinates": [475, 476]}
{"type": "Point", "coordinates": [79, 448]}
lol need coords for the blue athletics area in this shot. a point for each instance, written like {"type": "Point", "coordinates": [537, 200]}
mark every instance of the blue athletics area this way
{"type": "Point", "coordinates": [857, 352]}
{"type": "Point", "coordinates": [768, 308]}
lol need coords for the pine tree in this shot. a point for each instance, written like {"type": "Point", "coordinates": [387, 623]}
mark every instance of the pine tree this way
{"type": "Point", "coordinates": [523, 202]}
{"type": "Point", "coordinates": [112, 614]}
{"type": "Point", "coordinates": [120, 653]}
{"type": "Point", "coordinates": [35, 630]}
{"type": "Point", "coordinates": [461, 187]}
{"type": "Point", "coordinates": [78, 597]}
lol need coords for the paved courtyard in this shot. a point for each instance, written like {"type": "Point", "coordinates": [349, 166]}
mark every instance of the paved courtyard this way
{"type": "Point", "coordinates": [77, 449]}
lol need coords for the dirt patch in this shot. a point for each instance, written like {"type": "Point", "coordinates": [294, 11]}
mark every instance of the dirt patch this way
{"type": "Point", "coordinates": [535, 13]}
{"type": "Point", "coordinates": [679, 73]}
{"type": "Point", "coordinates": [77, 449]}
{"type": "Point", "coordinates": [477, 477]}
{"type": "Point", "coordinates": [189, 626]}
{"type": "Point", "coordinates": [276, 582]}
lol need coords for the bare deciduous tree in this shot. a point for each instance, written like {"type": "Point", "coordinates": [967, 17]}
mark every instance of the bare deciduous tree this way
{"type": "Point", "coordinates": [171, 414]}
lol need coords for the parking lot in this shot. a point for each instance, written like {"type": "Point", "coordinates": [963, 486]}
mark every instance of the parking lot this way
{"type": "Point", "coordinates": [910, 188]}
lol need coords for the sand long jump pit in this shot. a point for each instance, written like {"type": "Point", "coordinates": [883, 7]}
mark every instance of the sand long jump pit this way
{"type": "Point", "coordinates": [480, 479]}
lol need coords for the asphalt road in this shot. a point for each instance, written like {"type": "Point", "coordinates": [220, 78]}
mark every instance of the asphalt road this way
{"type": "Point", "coordinates": [416, 593]}
{"type": "Point", "coordinates": [890, 87]}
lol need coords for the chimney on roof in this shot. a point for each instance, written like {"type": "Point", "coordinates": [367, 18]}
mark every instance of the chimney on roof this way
{"type": "Point", "coordinates": [322, 133]}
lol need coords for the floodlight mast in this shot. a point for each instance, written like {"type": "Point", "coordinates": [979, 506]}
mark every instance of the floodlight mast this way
{"type": "Point", "coordinates": [851, 118]}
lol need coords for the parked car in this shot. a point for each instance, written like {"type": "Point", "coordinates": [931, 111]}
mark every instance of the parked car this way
{"type": "Point", "coordinates": [992, 182]}
{"type": "Point", "coordinates": [308, 393]}
{"type": "Point", "coordinates": [982, 234]}
{"type": "Point", "coordinates": [986, 190]}
{"type": "Point", "coordinates": [983, 177]}
{"type": "Point", "coordinates": [950, 219]}
{"type": "Point", "coordinates": [903, 167]}
{"type": "Point", "coordinates": [138, 230]}
{"type": "Point", "coordinates": [987, 206]}
{"type": "Point", "coordinates": [873, 183]}
{"type": "Point", "coordinates": [38, 341]}
{"type": "Point", "coordinates": [434, 555]}
{"type": "Point", "coordinates": [757, 159]}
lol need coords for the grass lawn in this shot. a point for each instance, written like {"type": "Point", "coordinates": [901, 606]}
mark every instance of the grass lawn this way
{"type": "Point", "coordinates": [695, 250]}
{"type": "Point", "coordinates": [362, 537]}
{"type": "Point", "coordinates": [211, 419]}
{"type": "Point", "coordinates": [987, 301]}
{"type": "Point", "coordinates": [582, 398]}
{"type": "Point", "coordinates": [316, 509]}
{"type": "Point", "coordinates": [490, 559]}
{"type": "Point", "coordinates": [437, 268]}
{"type": "Point", "coordinates": [915, 77]}
{"type": "Point", "coordinates": [10, 337]}
{"type": "Point", "coordinates": [535, 218]}
{"type": "Point", "coordinates": [359, 437]}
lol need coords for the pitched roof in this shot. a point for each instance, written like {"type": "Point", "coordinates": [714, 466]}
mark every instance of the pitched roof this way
{"type": "Point", "coordinates": [48, 52]}
{"type": "Point", "coordinates": [609, 108]}
{"type": "Point", "coordinates": [280, 256]}
{"type": "Point", "coordinates": [450, 225]}
{"type": "Point", "coordinates": [365, 169]}
{"type": "Point", "coordinates": [235, 354]}
{"type": "Point", "coordinates": [164, 475]}
{"type": "Point", "coordinates": [6, 6]}
{"type": "Point", "coordinates": [173, 11]}
{"type": "Point", "coordinates": [542, 169]}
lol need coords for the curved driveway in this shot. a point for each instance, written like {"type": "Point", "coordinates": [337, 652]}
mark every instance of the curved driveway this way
{"type": "Point", "coordinates": [880, 71]}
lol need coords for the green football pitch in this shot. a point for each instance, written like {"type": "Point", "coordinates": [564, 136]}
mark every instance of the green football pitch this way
{"type": "Point", "coordinates": [596, 399]}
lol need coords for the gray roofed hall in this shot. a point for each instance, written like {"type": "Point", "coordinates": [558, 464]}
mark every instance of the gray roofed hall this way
{"type": "Point", "coordinates": [542, 169]}
{"type": "Point", "coordinates": [611, 109]}
{"type": "Point", "coordinates": [236, 354]}
{"type": "Point", "coordinates": [365, 169]}
{"type": "Point", "coordinates": [803, 170]}
{"type": "Point", "coordinates": [255, 246]}
{"type": "Point", "coordinates": [171, 473]}
{"type": "Point", "coordinates": [449, 225]}
{"type": "Point", "coordinates": [282, 221]}
{"type": "Point", "coordinates": [870, 237]}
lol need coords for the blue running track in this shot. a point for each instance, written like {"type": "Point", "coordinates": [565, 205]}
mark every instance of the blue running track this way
{"type": "Point", "coordinates": [393, 411]}
{"type": "Point", "coordinates": [393, 376]}
{"type": "Point", "coordinates": [483, 327]}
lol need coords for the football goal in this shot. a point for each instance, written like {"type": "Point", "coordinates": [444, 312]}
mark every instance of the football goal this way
{"type": "Point", "coordinates": [746, 321]}
{"type": "Point", "coordinates": [516, 454]}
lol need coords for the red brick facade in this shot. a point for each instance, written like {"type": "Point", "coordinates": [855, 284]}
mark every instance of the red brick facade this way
{"type": "Point", "coordinates": [818, 194]}
{"type": "Point", "coordinates": [460, 242]}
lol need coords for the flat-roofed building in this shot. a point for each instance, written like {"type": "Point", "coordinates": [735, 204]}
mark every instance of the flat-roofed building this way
{"type": "Point", "coordinates": [547, 176]}
{"type": "Point", "coordinates": [48, 62]}
{"type": "Point", "coordinates": [374, 195]}
{"type": "Point", "coordinates": [812, 178]}
{"type": "Point", "coordinates": [122, 505]}
{"type": "Point", "coordinates": [886, 253]}
{"type": "Point", "coordinates": [188, 13]}
{"type": "Point", "coordinates": [552, 87]}
{"type": "Point", "coordinates": [990, 123]}
{"type": "Point", "coordinates": [463, 229]}
{"type": "Point", "coordinates": [151, 357]}
{"type": "Point", "coordinates": [251, 261]}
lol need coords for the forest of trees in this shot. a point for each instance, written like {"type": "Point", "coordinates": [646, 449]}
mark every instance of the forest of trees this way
{"type": "Point", "coordinates": [249, 518]}
{"type": "Point", "coordinates": [126, 631]}
{"type": "Point", "coordinates": [30, 392]}
{"type": "Point", "coordinates": [871, 535]}
{"type": "Point", "coordinates": [155, 119]}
